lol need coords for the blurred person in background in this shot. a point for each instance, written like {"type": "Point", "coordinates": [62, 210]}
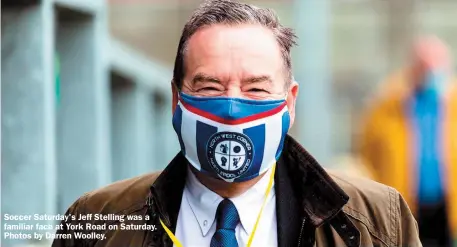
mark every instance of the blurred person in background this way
{"type": "Point", "coordinates": [409, 139]}
{"type": "Point", "coordinates": [240, 179]}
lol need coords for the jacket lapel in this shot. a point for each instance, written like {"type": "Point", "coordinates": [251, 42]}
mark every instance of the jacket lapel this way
{"type": "Point", "coordinates": [307, 197]}
{"type": "Point", "coordinates": [320, 197]}
{"type": "Point", "coordinates": [167, 191]}
{"type": "Point", "coordinates": [288, 208]}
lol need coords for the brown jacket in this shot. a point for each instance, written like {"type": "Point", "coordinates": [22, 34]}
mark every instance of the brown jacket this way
{"type": "Point", "coordinates": [313, 208]}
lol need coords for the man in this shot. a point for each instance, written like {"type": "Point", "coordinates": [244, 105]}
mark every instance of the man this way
{"type": "Point", "coordinates": [239, 179]}
{"type": "Point", "coordinates": [409, 140]}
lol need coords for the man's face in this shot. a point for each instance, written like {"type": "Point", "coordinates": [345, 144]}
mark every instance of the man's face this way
{"type": "Point", "coordinates": [429, 55]}
{"type": "Point", "coordinates": [242, 61]}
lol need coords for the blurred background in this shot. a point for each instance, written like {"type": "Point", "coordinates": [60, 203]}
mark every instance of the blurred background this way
{"type": "Point", "coordinates": [85, 94]}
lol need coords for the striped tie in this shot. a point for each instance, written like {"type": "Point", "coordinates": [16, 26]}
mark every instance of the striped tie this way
{"type": "Point", "coordinates": [227, 218]}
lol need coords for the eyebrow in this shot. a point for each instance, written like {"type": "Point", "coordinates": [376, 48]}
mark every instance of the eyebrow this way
{"type": "Point", "coordinates": [261, 78]}
{"type": "Point", "coordinates": [201, 77]}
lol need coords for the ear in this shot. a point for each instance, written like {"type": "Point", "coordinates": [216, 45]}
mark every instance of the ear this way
{"type": "Point", "coordinates": [291, 101]}
{"type": "Point", "coordinates": [175, 96]}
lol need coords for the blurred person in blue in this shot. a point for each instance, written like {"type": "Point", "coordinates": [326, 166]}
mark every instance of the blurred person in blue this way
{"type": "Point", "coordinates": [409, 139]}
{"type": "Point", "coordinates": [240, 179]}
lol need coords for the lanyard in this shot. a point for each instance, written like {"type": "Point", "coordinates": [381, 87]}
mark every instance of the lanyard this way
{"type": "Point", "coordinates": [251, 237]}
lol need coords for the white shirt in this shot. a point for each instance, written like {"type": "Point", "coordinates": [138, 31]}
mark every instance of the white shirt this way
{"type": "Point", "coordinates": [196, 221]}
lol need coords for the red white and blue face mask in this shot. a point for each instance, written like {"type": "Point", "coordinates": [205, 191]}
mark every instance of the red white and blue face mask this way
{"type": "Point", "coordinates": [231, 138]}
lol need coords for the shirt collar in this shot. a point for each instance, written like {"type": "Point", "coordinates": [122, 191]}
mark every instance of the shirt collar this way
{"type": "Point", "coordinates": [204, 202]}
{"type": "Point", "coordinates": [250, 202]}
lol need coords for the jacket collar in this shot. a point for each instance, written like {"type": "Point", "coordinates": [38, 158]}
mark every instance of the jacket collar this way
{"type": "Point", "coordinates": [319, 196]}
{"type": "Point", "coordinates": [166, 191]}
{"type": "Point", "coordinates": [312, 190]}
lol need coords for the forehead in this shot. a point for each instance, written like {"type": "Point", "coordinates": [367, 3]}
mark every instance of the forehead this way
{"type": "Point", "coordinates": [234, 49]}
{"type": "Point", "coordinates": [430, 47]}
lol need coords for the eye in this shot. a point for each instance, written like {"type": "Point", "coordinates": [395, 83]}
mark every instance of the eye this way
{"type": "Point", "coordinates": [257, 90]}
{"type": "Point", "coordinates": [208, 89]}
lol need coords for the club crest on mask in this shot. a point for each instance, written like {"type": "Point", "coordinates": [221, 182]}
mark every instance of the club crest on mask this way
{"type": "Point", "coordinates": [230, 154]}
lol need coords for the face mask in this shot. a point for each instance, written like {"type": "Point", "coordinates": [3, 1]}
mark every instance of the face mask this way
{"type": "Point", "coordinates": [436, 82]}
{"type": "Point", "coordinates": [230, 138]}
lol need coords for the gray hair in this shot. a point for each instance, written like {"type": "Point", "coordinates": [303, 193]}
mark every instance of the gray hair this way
{"type": "Point", "coordinates": [230, 12]}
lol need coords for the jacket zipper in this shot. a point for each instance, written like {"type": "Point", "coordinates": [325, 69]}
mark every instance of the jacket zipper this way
{"type": "Point", "coordinates": [301, 232]}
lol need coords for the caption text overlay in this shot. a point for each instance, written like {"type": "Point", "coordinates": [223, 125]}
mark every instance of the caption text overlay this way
{"type": "Point", "coordinates": [81, 226]}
